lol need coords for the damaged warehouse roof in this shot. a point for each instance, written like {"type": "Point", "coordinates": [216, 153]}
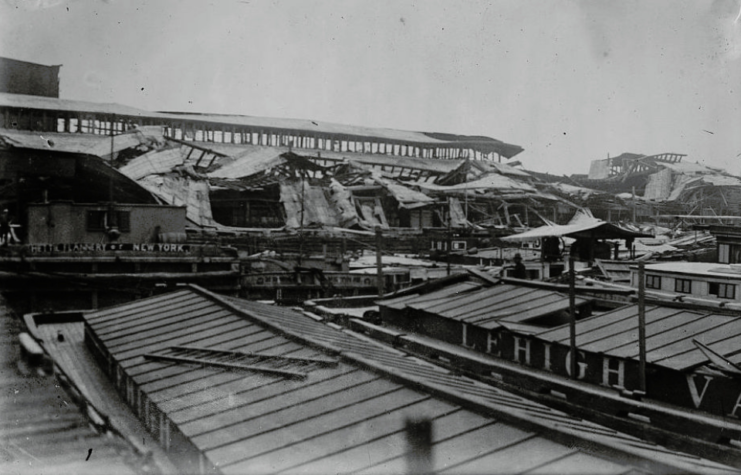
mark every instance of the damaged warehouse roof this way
{"type": "Point", "coordinates": [185, 173]}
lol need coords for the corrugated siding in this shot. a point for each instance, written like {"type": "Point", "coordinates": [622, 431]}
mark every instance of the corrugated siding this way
{"type": "Point", "coordinates": [180, 191]}
{"type": "Point", "coordinates": [309, 204]}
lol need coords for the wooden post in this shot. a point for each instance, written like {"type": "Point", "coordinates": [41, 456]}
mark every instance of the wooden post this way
{"type": "Point", "coordinates": [641, 328]}
{"type": "Point", "coordinates": [379, 261]}
{"type": "Point", "coordinates": [449, 243]}
{"type": "Point", "coordinates": [419, 446]}
{"type": "Point", "coordinates": [572, 320]}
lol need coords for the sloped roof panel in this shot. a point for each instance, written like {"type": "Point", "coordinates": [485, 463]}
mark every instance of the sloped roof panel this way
{"type": "Point", "coordinates": [406, 196]}
{"type": "Point", "coordinates": [599, 169]}
{"type": "Point", "coordinates": [179, 191]}
{"type": "Point", "coordinates": [254, 160]}
{"type": "Point", "coordinates": [152, 163]}
{"type": "Point", "coordinates": [491, 181]}
{"type": "Point", "coordinates": [415, 299]}
{"type": "Point", "coordinates": [485, 307]}
{"type": "Point", "coordinates": [669, 335]}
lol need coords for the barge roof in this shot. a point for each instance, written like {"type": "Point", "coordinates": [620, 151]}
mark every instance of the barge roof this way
{"type": "Point", "coordinates": [349, 417]}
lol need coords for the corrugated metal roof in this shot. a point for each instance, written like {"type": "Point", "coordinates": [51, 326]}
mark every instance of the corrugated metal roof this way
{"type": "Point", "coordinates": [486, 307]}
{"type": "Point", "coordinates": [343, 419]}
{"type": "Point", "coordinates": [669, 335]}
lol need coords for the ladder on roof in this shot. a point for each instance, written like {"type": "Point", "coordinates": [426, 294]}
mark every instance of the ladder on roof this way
{"type": "Point", "coordinates": [291, 367]}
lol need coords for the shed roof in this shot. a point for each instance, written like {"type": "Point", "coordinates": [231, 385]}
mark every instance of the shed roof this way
{"type": "Point", "coordinates": [669, 335]}
{"type": "Point", "coordinates": [486, 307]}
{"type": "Point", "coordinates": [345, 418]}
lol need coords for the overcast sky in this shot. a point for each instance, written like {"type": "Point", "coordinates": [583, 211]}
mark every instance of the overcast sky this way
{"type": "Point", "coordinates": [570, 81]}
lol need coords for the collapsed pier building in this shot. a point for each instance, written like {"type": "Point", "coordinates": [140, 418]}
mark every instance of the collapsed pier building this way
{"type": "Point", "coordinates": [665, 185]}
{"type": "Point", "coordinates": [244, 173]}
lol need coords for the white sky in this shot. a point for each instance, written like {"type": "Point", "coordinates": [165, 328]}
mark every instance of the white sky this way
{"type": "Point", "coordinates": [568, 80]}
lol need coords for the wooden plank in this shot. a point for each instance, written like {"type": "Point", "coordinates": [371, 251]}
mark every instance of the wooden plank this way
{"type": "Point", "coordinates": [170, 380]}
{"type": "Point", "coordinates": [226, 365]}
{"type": "Point", "coordinates": [241, 334]}
{"type": "Point", "coordinates": [223, 388]}
{"type": "Point", "coordinates": [323, 362]}
{"type": "Point", "coordinates": [683, 354]}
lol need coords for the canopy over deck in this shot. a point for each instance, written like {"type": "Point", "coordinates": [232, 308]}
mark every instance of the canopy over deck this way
{"type": "Point", "coordinates": [582, 225]}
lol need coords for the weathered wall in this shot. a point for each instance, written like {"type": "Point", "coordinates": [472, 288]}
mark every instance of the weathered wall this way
{"type": "Point", "coordinates": [67, 223]}
{"type": "Point", "coordinates": [21, 77]}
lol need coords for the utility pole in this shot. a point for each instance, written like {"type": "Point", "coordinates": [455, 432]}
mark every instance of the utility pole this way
{"type": "Point", "coordinates": [112, 219]}
{"type": "Point", "coordinates": [572, 320]}
{"type": "Point", "coordinates": [301, 226]}
{"type": "Point", "coordinates": [379, 261]}
{"type": "Point", "coordinates": [641, 328]}
{"type": "Point", "coordinates": [449, 242]}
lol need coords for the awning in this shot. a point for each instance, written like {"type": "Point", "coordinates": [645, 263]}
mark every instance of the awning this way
{"type": "Point", "coordinates": [582, 225]}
